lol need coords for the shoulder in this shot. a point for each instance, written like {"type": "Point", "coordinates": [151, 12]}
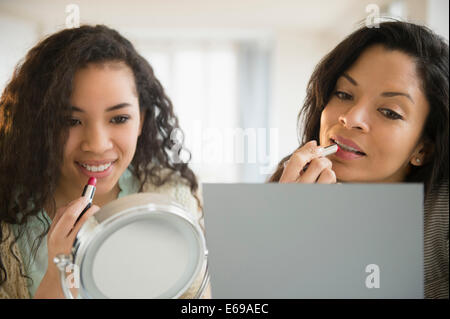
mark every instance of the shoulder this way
{"type": "Point", "coordinates": [436, 242]}
{"type": "Point", "coordinates": [436, 202]}
{"type": "Point", "coordinates": [436, 210]}
{"type": "Point", "coordinates": [7, 238]}
{"type": "Point", "coordinates": [15, 285]}
{"type": "Point", "coordinates": [178, 188]}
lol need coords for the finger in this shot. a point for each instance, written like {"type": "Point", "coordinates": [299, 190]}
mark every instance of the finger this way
{"type": "Point", "coordinates": [59, 213]}
{"type": "Point", "coordinates": [56, 218]}
{"type": "Point", "coordinates": [69, 216]}
{"type": "Point", "coordinates": [314, 170]}
{"type": "Point", "coordinates": [327, 176]}
{"type": "Point", "coordinates": [90, 212]}
{"type": "Point", "coordinates": [298, 160]}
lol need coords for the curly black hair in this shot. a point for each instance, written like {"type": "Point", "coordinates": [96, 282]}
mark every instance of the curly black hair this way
{"type": "Point", "coordinates": [33, 111]}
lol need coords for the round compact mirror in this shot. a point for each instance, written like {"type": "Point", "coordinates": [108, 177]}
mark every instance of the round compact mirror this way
{"type": "Point", "coordinates": [140, 246]}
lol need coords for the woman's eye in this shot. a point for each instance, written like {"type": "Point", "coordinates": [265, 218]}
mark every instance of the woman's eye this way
{"type": "Point", "coordinates": [119, 119]}
{"type": "Point", "coordinates": [390, 114]}
{"type": "Point", "coordinates": [343, 96]}
{"type": "Point", "coordinates": [73, 122]}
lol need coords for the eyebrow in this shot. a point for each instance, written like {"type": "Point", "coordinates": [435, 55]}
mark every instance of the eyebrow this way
{"type": "Point", "coordinates": [392, 94]}
{"type": "Point", "coordinates": [384, 94]}
{"type": "Point", "coordinates": [350, 79]}
{"type": "Point", "coordinates": [109, 109]}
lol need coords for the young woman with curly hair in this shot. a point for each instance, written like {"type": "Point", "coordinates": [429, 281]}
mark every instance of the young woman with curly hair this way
{"type": "Point", "coordinates": [83, 102]}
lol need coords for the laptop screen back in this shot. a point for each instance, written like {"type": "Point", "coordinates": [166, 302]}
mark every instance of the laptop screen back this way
{"type": "Point", "coordinates": [315, 241]}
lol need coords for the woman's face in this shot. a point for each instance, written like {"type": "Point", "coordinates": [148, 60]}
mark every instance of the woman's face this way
{"type": "Point", "coordinates": [104, 127]}
{"type": "Point", "coordinates": [376, 114]}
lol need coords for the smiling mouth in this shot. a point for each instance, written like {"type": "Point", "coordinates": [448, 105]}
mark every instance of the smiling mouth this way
{"type": "Point", "coordinates": [96, 168]}
{"type": "Point", "coordinates": [348, 148]}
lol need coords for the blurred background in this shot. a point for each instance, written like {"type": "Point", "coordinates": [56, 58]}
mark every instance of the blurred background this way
{"type": "Point", "coordinates": [236, 70]}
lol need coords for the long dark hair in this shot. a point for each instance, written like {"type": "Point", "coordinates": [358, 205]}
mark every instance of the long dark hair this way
{"type": "Point", "coordinates": [430, 53]}
{"type": "Point", "coordinates": [33, 130]}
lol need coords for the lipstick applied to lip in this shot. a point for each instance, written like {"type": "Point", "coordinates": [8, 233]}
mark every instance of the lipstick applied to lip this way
{"type": "Point", "coordinates": [330, 150]}
{"type": "Point", "coordinates": [327, 151]}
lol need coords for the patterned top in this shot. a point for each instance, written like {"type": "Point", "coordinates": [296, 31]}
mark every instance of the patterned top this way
{"type": "Point", "coordinates": [436, 243]}
{"type": "Point", "coordinates": [17, 286]}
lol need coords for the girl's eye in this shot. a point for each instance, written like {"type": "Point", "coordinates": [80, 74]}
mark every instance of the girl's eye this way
{"type": "Point", "coordinates": [73, 122]}
{"type": "Point", "coordinates": [390, 114]}
{"type": "Point", "coordinates": [343, 96]}
{"type": "Point", "coordinates": [120, 119]}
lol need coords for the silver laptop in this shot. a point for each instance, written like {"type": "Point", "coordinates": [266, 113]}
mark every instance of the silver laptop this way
{"type": "Point", "coordinates": [315, 241]}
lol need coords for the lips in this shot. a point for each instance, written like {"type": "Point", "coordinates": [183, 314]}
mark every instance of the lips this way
{"type": "Point", "coordinates": [347, 148]}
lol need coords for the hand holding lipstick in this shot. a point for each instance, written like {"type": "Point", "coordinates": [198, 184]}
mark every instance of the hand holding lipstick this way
{"type": "Point", "coordinates": [65, 225]}
{"type": "Point", "coordinates": [308, 164]}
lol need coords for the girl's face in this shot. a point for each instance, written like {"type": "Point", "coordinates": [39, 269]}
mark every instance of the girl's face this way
{"type": "Point", "coordinates": [376, 114]}
{"type": "Point", "coordinates": [104, 128]}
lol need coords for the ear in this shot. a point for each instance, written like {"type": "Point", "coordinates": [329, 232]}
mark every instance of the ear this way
{"type": "Point", "coordinates": [422, 153]}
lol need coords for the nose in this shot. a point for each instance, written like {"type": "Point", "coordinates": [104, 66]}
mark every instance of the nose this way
{"type": "Point", "coordinates": [355, 117]}
{"type": "Point", "coordinates": [96, 139]}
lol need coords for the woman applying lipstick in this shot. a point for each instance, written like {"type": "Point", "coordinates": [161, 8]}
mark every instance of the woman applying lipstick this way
{"type": "Point", "coordinates": [382, 96]}
{"type": "Point", "coordinates": [82, 106]}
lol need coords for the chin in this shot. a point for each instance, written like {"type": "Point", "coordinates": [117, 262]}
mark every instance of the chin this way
{"type": "Point", "coordinates": [342, 177]}
{"type": "Point", "coordinates": [106, 186]}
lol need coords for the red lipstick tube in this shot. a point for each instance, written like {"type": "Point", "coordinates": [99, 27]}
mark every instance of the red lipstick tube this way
{"type": "Point", "coordinates": [88, 191]}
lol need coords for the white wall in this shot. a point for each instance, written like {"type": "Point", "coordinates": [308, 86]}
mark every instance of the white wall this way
{"type": "Point", "coordinates": [437, 16]}
{"type": "Point", "coordinates": [301, 31]}
{"type": "Point", "coordinates": [295, 56]}
{"type": "Point", "coordinates": [14, 45]}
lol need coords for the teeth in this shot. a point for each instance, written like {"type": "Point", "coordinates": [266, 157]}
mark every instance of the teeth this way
{"type": "Point", "coordinates": [100, 168]}
{"type": "Point", "coordinates": [348, 148]}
